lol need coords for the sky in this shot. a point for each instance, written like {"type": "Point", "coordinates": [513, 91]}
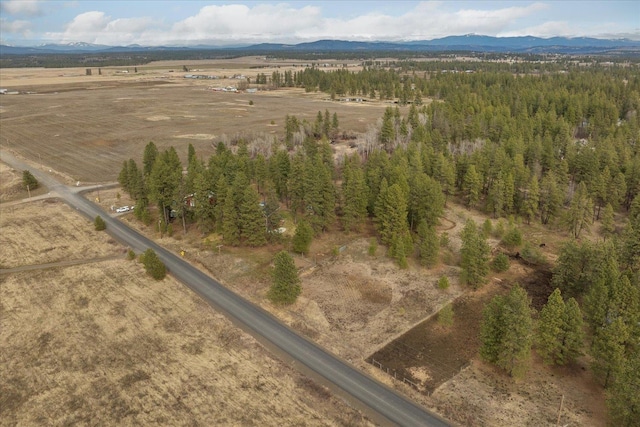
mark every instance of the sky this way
{"type": "Point", "coordinates": [226, 23]}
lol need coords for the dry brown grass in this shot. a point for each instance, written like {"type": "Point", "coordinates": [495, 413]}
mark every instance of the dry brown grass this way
{"type": "Point", "coordinates": [88, 125]}
{"type": "Point", "coordinates": [49, 231]}
{"type": "Point", "coordinates": [102, 343]}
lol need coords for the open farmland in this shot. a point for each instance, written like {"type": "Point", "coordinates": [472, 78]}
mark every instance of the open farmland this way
{"type": "Point", "coordinates": [103, 342]}
{"type": "Point", "coordinates": [86, 126]}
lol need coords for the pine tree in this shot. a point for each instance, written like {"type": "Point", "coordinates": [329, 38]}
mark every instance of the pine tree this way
{"type": "Point", "coordinates": [123, 177]}
{"type": "Point", "coordinates": [355, 194]}
{"type": "Point", "coordinates": [550, 326]}
{"type": "Point", "coordinates": [164, 179]}
{"type": "Point", "coordinates": [500, 263]}
{"type": "Point", "coordinates": [506, 331]}
{"type": "Point", "coordinates": [391, 213]}
{"type": "Point", "coordinates": [99, 224]}
{"type": "Point", "coordinates": [475, 256]}
{"type": "Point", "coordinates": [492, 329]}
{"type": "Point", "coordinates": [279, 170]}
{"type": "Point", "coordinates": [471, 186]}
{"type": "Point", "coordinates": [285, 287]}
{"type": "Point", "coordinates": [512, 238]}
{"type": "Point", "coordinates": [443, 283]}
{"type": "Point", "coordinates": [630, 251]}
{"type": "Point", "coordinates": [191, 154]}
{"type": "Point", "coordinates": [302, 238]}
{"type": "Point", "coordinates": [426, 200]}
{"type": "Point", "coordinates": [608, 350]}
{"type": "Point", "coordinates": [204, 202]}
{"type": "Point", "coordinates": [387, 132]}
{"type": "Point", "coordinates": [326, 124]}
{"type": "Point", "coordinates": [298, 182]}
{"type": "Point", "coordinates": [398, 249]}
{"type": "Point", "coordinates": [487, 228]}
{"type": "Point", "coordinates": [550, 198]}
{"type": "Point", "coordinates": [136, 181]}
{"type": "Point", "coordinates": [516, 346]}
{"type": "Point", "coordinates": [532, 201]}
{"type": "Point", "coordinates": [272, 212]}
{"type": "Point", "coordinates": [152, 264]}
{"type": "Point", "coordinates": [496, 196]}
{"type": "Point", "coordinates": [596, 303]}
{"type": "Point", "coordinates": [376, 170]}
{"type": "Point", "coordinates": [572, 332]}
{"type": "Point", "coordinates": [509, 193]}
{"type": "Point", "coordinates": [29, 181]}
{"type": "Point", "coordinates": [149, 158]}
{"type": "Point", "coordinates": [580, 212]}
{"type": "Point", "coordinates": [335, 124]}
{"type": "Point", "coordinates": [261, 172]}
{"type": "Point", "coordinates": [221, 190]}
{"type": "Point", "coordinates": [320, 196]}
{"type": "Point", "coordinates": [608, 222]}
{"type": "Point", "coordinates": [252, 221]}
{"type": "Point", "coordinates": [429, 244]}
{"type": "Point", "coordinates": [230, 228]}
{"type": "Point", "coordinates": [194, 167]}
{"type": "Point", "coordinates": [623, 397]}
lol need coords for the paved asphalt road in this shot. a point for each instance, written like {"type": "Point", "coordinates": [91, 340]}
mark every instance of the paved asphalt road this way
{"type": "Point", "coordinates": [384, 404]}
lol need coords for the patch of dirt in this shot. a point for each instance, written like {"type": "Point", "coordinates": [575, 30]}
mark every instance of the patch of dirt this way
{"type": "Point", "coordinates": [436, 352]}
{"type": "Point", "coordinates": [443, 363]}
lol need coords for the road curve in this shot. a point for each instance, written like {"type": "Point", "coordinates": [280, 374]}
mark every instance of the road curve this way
{"type": "Point", "coordinates": [379, 400]}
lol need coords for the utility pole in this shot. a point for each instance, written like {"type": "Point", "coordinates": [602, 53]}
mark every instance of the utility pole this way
{"type": "Point", "coordinates": [29, 190]}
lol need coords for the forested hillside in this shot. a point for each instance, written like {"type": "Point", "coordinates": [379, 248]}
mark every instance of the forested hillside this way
{"type": "Point", "coordinates": [558, 145]}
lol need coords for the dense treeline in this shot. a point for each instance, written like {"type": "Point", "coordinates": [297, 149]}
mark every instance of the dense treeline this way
{"type": "Point", "coordinates": [559, 148]}
{"type": "Point", "coordinates": [115, 58]}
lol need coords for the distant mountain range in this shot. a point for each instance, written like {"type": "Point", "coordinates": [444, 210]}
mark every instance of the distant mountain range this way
{"type": "Point", "coordinates": [470, 42]}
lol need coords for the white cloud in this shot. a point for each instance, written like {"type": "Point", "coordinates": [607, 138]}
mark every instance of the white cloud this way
{"type": "Point", "coordinates": [568, 29]}
{"type": "Point", "coordinates": [426, 21]}
{"type": "Point", "coordinates": [97, 27]}
{"type": "Point", "coordinates": [255, 23]}
{"type": "Point", "coordinates": [283, 23]}
{"type": "Point", "coordinates": [15, 27]}
{"type": "Point", "coordinates": [242, 23]}
{"type": "Point", "coordinates": [22, 7]}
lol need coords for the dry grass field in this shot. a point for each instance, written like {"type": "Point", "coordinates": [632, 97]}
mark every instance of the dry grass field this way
{"type": "Point", "coordinates": [48, 231]}
{"type": "Point", "coordinates": [352, 303]}
{"type": "Point", "coordinates": [86, 126]}
{"type": "Point", "coordinates": [104, 344]}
